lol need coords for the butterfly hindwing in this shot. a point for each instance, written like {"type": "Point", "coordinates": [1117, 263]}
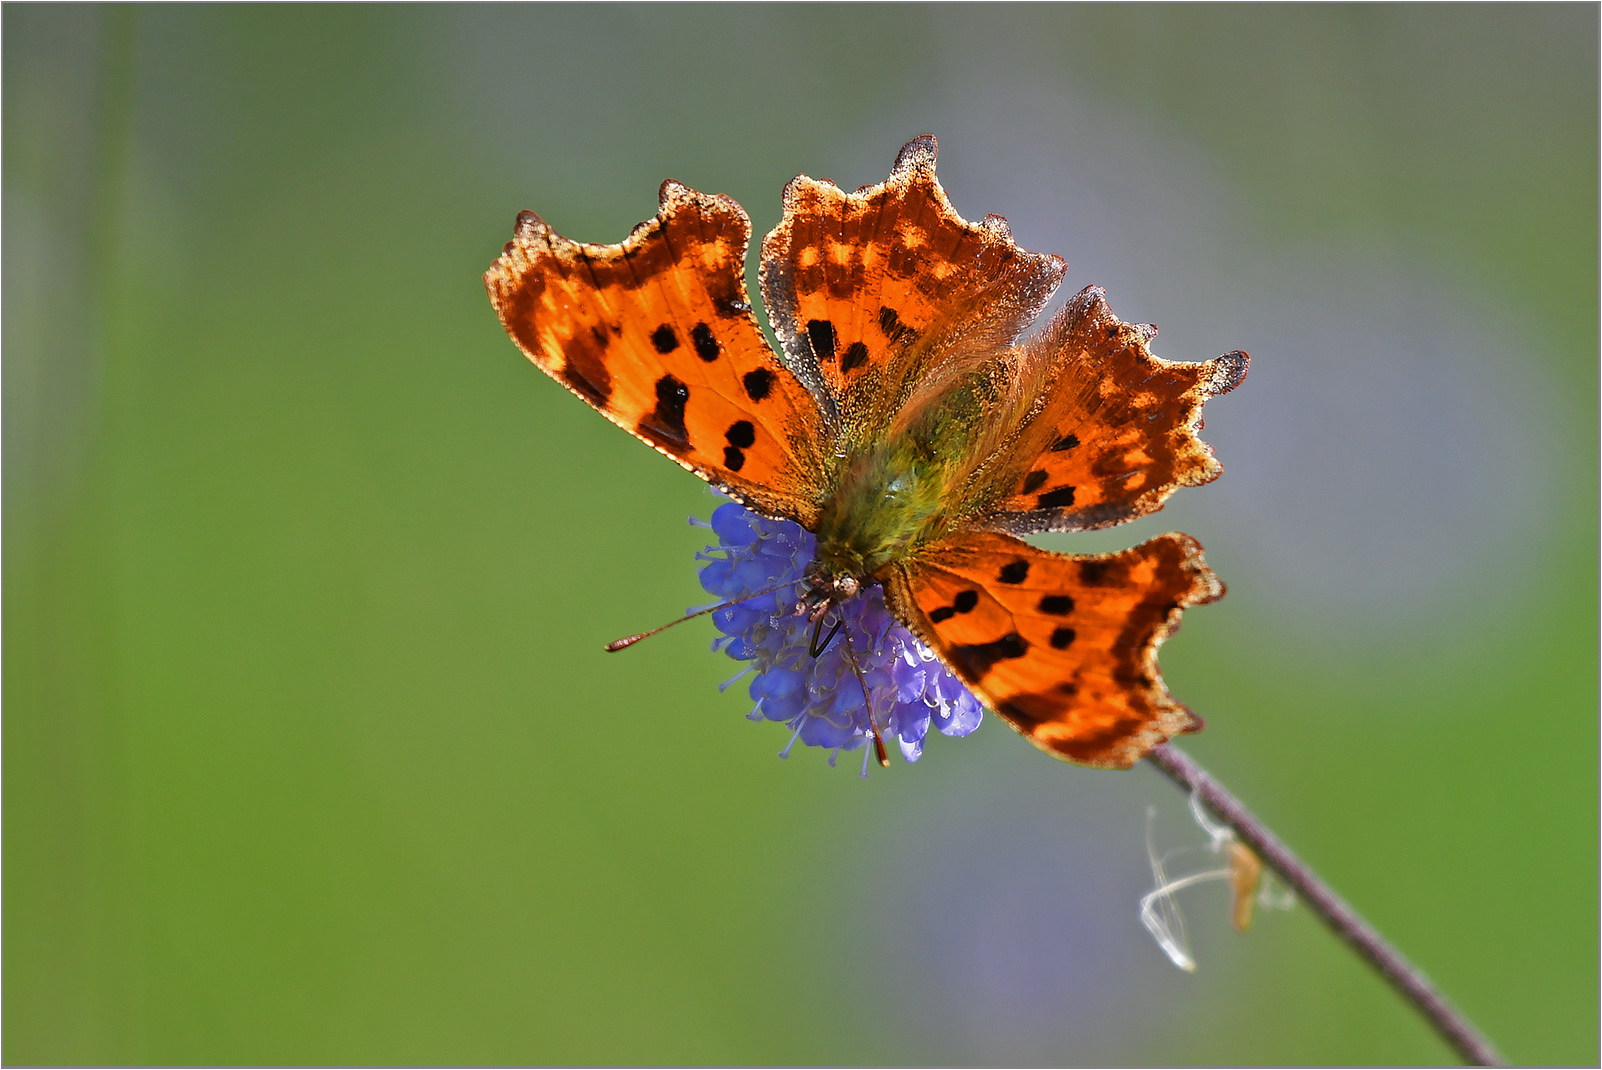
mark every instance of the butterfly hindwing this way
{"type": "Point", "coordinates": [1117, 431]}
{"type": "Point", "coordinates": [1062, 646]}
{"type": "Point", "coordinates": [658, 334]}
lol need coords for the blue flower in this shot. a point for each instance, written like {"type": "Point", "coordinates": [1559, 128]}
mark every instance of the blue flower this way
{"type": "Point", "coordinates": [821, 698]}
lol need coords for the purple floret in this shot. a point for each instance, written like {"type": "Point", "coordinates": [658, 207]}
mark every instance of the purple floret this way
{"type": "Point", "coordinates": [820, 698]}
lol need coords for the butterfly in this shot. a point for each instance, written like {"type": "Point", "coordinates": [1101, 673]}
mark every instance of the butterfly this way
{"type": "Point", "coordinates": [910, 423]}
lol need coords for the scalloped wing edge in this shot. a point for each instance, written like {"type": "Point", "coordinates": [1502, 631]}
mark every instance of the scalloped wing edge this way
{"type": "Point", "coordinates": [1173, 717]}
{"type": "Point", "coordinates": [522, 254]}
{"type": "Point", "coordinates": [915, 160]}
{"type": "Point", "coordinates": [1223, 374]}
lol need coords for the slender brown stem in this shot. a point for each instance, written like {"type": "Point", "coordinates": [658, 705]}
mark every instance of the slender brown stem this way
{"type": "Point", "coordinates": [1335, 912]}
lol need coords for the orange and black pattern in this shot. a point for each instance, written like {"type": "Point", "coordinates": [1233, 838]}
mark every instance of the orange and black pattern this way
{"type": "Point", "coordinates": [1117, 432]}
{"type": "Point", "coordinates": [658, 334]}
{"type": "Point", "coordinates": [866, 289]}
{"type": "Point", "coordinates": [1062, 646]}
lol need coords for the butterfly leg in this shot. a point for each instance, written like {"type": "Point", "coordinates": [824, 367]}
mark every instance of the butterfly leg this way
{"type": "Point", "coordinates": [878, 741]}
{"type": "Point", "coordinates": [816, 648]}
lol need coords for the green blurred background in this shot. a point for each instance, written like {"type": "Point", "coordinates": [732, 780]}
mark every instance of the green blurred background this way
{"type": "Point", "coordinates": [311, 752]}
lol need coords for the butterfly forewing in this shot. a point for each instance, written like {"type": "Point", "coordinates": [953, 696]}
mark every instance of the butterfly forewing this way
{"type": "Point", "coordinates": [866, 289]}
{"type": "Point", "coordinates": [1117, 432]}
{"type": "Point", "coordinates": [657, 333]}
{"type": "Point", "coordinates": [1062, 646]}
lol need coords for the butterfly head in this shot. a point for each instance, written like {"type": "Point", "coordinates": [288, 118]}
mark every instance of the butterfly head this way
{"type": "Point", "coordinates": [825, 587]}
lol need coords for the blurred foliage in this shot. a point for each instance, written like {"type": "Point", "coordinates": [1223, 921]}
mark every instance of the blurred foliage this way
{"type": "Point", "coordinates": [311, 754]}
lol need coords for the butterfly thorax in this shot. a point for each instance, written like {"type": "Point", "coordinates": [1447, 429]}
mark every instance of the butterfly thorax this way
{"type": "Point", "coordinates": [895, 494]}
{"type": "Point", "coordinates": [888, 503]}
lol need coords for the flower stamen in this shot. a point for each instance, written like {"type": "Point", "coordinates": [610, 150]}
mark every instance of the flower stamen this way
{"type": "Point", "coordinates": [736, 678]}
{"type": "Point", "coordinates": [785, 753]}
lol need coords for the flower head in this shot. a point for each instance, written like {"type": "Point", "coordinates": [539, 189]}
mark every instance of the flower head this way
{"type": "Point", "coordinates": [820, 698]}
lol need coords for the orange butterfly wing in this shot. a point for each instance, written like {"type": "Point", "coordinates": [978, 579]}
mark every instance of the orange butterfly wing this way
{"type": "Point", "coordinates": [657, 333]}
{"type": "Point", "coordinates": [1117, 432]}
{"type": "Point", "coordinates": [853, 281]}
{"type": "Point", "coordinates": [1062, 646]}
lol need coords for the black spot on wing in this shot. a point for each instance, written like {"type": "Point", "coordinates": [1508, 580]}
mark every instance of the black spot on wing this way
{"type": "Point", "coordinates": [706, 346]}
{"type": "Point", "coordinates": [665, 424]}
{"type": "Point", "coordinates": [890, 323]}
{"type": "Point", "coordinates": [821, 334]}
{"type": "Point", "coordinates": [664, 339]}
{"type": "Point", "coordinates": [741, 433]}
{"type": "Point", "coordinates": [1057, 605]}
{"type": "Point", "coordinates": [1015, 572]}
{"type": "Point", "coordinates": [1066, 442]}
{"type": "Point", "coordinates": [1061, 638]}
{"type": "Point", "coordinates": [1100, 573]}
{"type": "Point", "coordinates": [1060, 498]}
{"type": "Point", "coordinates": [1034, 481]}
{"type": "Point", "coordinates": [758, 383]}
{"type": "Point", "coordinates": [974, 660]}
{"type": "Point", "coordinates": [856, 355]}
{"type": "Point", "coordinates": [733, 458]}
{"type": "Point", "coordinates": [963, 603]}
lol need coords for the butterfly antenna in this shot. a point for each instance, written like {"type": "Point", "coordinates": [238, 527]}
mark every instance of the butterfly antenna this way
{"type": "Point", "coordinates": [629, 640]}
{"type": "Point", "coordinates": [878, 741]}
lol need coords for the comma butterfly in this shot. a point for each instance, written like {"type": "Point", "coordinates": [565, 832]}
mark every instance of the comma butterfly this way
{"type": "Point", "coordinates": [908, 424]}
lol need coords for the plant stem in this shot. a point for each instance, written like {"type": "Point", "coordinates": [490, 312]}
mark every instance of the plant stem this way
{"type": "Point", "coordinates": [1335, 912]}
